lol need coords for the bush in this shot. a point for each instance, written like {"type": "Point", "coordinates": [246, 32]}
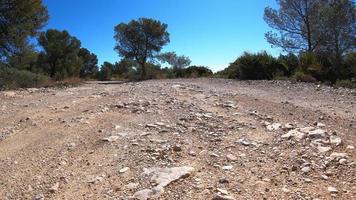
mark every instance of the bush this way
{"type": "Point", "coordinates": [258, 66]}
{"type": "Point", "coordinates": [345, 83]}
{"type": "Point", "coordinates": [11, 78]}
{"type": "Point", "coordinates": [290, 63]}
{"type": "Point", "coordinates": [302, 77]}
{"type": "Point", "coordinates": [196, 71]}
{"type": "Point", "coordinates": [349, 67]}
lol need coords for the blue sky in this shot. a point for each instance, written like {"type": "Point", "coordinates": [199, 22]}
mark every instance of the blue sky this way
{"type": "Point", "coordinates": [212, 33]}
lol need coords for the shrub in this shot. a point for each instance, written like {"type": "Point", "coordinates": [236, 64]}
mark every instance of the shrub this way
{"type": "Point", "coordinates": [290, 63]}
{"type": "Point", "coordinates": [230, 72]}
{"type": "Point", "coordinates": [154, 71]}
{"type": "Point", "coordinates": [196, 71]}
{"type": "Point", "coordinates": [345, 83]}
{"type": "Point", "coordinates": [302, 77]}
{"type": "Point", "coordinates": [11, 78]}
{"type": "Point", "coordinates": [349, 67]}
{"type": "Point", "coordinates": [257, 67]}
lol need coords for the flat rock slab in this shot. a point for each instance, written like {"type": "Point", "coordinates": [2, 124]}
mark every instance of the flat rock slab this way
{"type": "Point", "coordinates": [162, 177]}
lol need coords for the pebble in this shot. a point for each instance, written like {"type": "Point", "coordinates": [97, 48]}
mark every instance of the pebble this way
{"type": "Point", "coordinates": [123, 170]}
{"type": "Point", "coordinates": [335, 140]}
{"type": "Point", "coordinates": [227, 168]}
{"type": "Point", "coordinates": [332, 190]}
{"type": "Point", "coordinates": [342, 161]}
{"type": "Point", "coordinates": [231, 157]}
{"type": "Point", "coordinates": [177, 148]}
{"type": "Point", "coordinates": [39, 197]}
{"type": "Point", "coordinates": [244, 142]}
{"type": "Point", "coordinates": [306, 170]}
{"type": "Point", "coordinates": [54, 188]}
{"type": "Point", "coordinates": [322, 149]}
{"type": "Point", "coordinates": [111, 139]}
{"type": "Point", "coordinates": [222, 191]}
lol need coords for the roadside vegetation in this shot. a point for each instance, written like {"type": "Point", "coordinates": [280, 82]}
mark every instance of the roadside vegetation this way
{"type": "Point", "coordinates": [317, 38]}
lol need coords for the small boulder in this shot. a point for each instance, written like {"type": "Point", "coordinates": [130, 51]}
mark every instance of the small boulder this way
{"type": "Point", "coordinates": [323, 149]}
{"type": "Point", "coordinates": [222, 197]}
{"type": "Point", "coordinates": [335, 140]}
{"type": "Point", "coordinates": [294, 134]}
{"type": "Point", "coordinates": [274, 127]}
{"type": "Point", "coordinates": [317, 134]}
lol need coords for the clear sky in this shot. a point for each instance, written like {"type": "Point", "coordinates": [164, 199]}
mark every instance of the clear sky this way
{"type": "Point", "coordinates": [212, 33]}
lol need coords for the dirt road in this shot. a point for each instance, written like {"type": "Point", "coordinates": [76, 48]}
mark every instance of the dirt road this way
{"type": "Point", "coordinates": [179, 139]}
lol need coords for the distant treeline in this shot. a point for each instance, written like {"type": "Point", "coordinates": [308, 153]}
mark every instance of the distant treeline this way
{"type": "Point", "coordinates": [316, 36]}
{"type": "Point", "coordinates": [306, 67]}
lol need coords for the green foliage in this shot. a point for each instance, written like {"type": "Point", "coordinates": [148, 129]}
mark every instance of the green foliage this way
{"type": "Point", "coordinates": [106, 71]}
{"type": "Point", "coordinates": [196, 71]}
{"type": "Point", "coordinates": [19, 20]}
{"type": "Point", "coordinates": [338, 28]}
{"type": "Point", "coordinates": [318, 66]}
{"type": "Point", "coordinates": [60, 57]}
{"type": "Point", "coordinates": [290, 63]}
{"type": "Point", "coordinates": [296, 25]}
{"type": "Point", "coordinates": [154, 71]}
{"type": "Point", "coordinates": [90, 63]}
{"type": "Point", "coordinates": [302, 77]}
{"type": "Point", "coordinates": [140, 40]}
{"type": "Point", "coordinates": [126, 69]}
{"type": "Point", "coordinates": [178, 63]}
{"type": "Point", "coordinates": [257, 67]}
{"type": "Point", "coordinates": [308, 62]}
{"type": "Point", "coordinates": [306, 67]}
{"type": "Point", "coordinates": [11, 78]}
{"type": "Point", "coordinates": [26, 60]}
{"type": "Point", "coordinates": [348, 68]}
{"type": "Point", "coordinates": [231, 72]}
{"type": "Point", "coordinates": [346, 83]}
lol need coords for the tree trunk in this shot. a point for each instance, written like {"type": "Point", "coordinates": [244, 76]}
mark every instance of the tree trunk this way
{"type": "Point", "coordinates": [143, 71]}
{"type": "Point", "coordinates": [53, 70]}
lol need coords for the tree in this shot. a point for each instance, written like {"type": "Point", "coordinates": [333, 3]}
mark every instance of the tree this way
{"type": "Point", "coordinates": [140, 40]}
{"type": "Point", "coordinates": [177, 62]}
{"type": "Point", "coordinates": [60, 57]}
{"type": "Point", "coordinates": [106, 71]}
{"type": "Point", "coordinates": [19, 20]}
{"type": "Point", "coordinates": [338, 25]}
{"type": "Point", "coordinates": [25, 60]}
{"type": "Point", "coordinates": [90, 63]}
{"type": "Point", "coordinates": [125, 66]}
{"type": "Point", "coordinates": [296, 23]}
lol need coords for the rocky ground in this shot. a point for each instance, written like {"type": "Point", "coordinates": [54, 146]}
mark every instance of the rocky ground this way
{"type": "Point", "coordinates": [179, 139]}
